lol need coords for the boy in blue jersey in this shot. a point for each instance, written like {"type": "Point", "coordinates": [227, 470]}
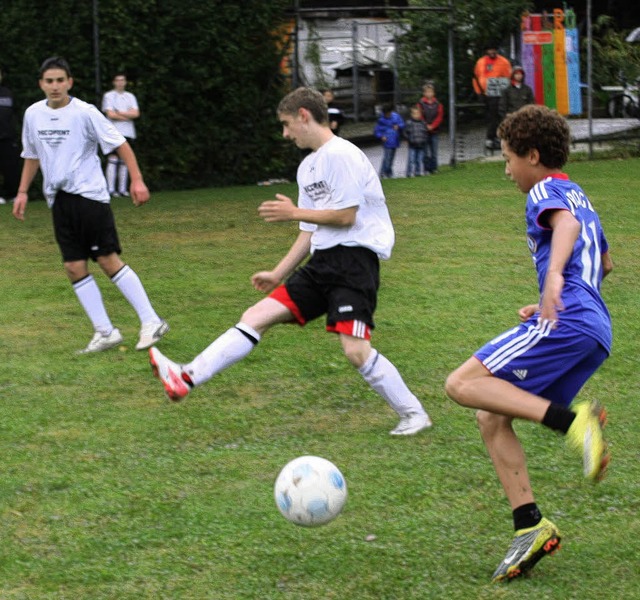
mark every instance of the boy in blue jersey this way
{"type": "Point", "coordinates": [535, 370]}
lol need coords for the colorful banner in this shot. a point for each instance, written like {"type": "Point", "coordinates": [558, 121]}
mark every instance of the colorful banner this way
{"type": "Point", "coordinates": [551, 59]}
{"type": "Point", "coordinates": [549, 65]}
{"type": "Point", "coordinates": [573, 63]}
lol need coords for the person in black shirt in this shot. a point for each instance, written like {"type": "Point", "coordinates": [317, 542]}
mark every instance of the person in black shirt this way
{"type": "Point", "coordinates": [9, 150]}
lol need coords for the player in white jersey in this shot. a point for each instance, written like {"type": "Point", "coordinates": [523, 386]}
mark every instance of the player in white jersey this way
{"type": "Point", "coordinates": [121, 108]}
{"type": "Point", "coordinates": [60, 136]}
{"type": "Point", "coordinates": [345, 226]}
{"type": "Point", "coordinates": [535, 370]}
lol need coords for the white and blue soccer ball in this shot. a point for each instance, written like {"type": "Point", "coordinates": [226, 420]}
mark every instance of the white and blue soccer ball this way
{"type": "Point", "coordinates": [310, 491]}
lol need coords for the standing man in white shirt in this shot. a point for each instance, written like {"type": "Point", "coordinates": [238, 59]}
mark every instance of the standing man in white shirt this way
{"type": "Point", "coordinates": [60, 136]}
{"type": "Point", "coordinates": [121, 108]}
{"type": "Point", "coordinates": [346, 228]}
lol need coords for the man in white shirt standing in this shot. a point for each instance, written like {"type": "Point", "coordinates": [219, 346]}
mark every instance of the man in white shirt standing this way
{"type": "Point", "coordinates": [121, 108]}
{"type": "Point", "coordinates": [345, 226]}
{"type": "Point", "coordinates": [60, 136]}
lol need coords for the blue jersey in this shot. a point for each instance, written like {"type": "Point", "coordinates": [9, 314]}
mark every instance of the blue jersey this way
{"type": "Point", "coordinates": [584, 308]}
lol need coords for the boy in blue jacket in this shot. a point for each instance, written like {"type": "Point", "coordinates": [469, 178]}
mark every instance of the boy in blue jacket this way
{"type": "Point", "coordinates": [389, 131]}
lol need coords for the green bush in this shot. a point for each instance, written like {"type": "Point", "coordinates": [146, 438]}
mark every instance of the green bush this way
{"type": "Point", "coordinates": [207, 77]}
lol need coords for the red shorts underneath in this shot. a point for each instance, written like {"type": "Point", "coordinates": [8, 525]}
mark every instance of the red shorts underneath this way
{"type": "Point", "coordinates": [357, 329]}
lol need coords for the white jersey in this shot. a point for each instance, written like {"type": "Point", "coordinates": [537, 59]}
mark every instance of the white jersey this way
{"type": "Point", "coordinates": [65, 141]}
{"type": "Point", "coordinates": [121, 101]}
{"type": "Point", "coordinates": [336, 176]}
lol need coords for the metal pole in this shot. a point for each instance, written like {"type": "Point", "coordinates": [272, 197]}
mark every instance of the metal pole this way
{"type": "Point", "coordinates": [296, 34]}
{"type": "Point", "coordinates": [396, 77]}
{"type": "Point", "coordinates": [354, 71]}
{"type": "Point", "coordinates": [590, 79]}
{"type": "Point", "coordinates": [452, 87]}
{"type": "Point", "coordinates": [96, 52]}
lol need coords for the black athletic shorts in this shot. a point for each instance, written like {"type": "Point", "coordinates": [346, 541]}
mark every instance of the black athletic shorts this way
{"type": "Point", "coordinates": [341, 282]}
{"type": "Point", "coordinates": [83, 228]}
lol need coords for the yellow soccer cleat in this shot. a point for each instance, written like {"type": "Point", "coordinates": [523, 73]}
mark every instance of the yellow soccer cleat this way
{"type": "Point", "coordinates": [528, 547]}
{"type": "Point", "coordinates": [586, 436]}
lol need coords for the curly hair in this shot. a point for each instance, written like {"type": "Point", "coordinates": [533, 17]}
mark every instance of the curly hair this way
{"type": "Point", "coordinates": [540, 128]}
{"type": "Point", "coordinates": [304, 97]}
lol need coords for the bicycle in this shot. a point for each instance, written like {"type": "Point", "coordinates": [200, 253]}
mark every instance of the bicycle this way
{"type": "Point", "coordinates": [625, 103]}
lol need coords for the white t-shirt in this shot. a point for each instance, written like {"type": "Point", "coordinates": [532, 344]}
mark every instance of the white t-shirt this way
{"type": "Point", "coordinates": [339, 175]}
{"type": "Point", "coordinates": [65, 141]}
{"type": "Point", "coordinates": [114, 100]}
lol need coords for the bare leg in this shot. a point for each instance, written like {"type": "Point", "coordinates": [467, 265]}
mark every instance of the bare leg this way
{"type": "Point", "coordinates": [507, 456]}
{"type": "Point", "coordinates": [471, 385]}
{"type": "Point", "coordinates": [499, 402]}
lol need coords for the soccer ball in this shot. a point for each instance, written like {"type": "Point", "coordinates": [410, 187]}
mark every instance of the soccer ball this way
{"type": "Point", "coordinates": [310, 491]}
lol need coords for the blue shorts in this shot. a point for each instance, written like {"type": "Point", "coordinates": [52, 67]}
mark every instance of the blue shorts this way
{"type": "Point", "coordinates": [552, 363]}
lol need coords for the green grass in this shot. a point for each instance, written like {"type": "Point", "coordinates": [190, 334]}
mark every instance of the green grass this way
{"type": "Point", "coordinates": [110, 492]}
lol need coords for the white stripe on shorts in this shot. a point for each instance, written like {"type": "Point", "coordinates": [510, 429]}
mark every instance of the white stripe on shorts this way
{"type": "Point", "coordinates": [517, 346]}
{"type": "Point", "coordinates": [359, 329]}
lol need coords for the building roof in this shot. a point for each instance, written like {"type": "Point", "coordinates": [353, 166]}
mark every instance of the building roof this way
{"type": "Point", "coordinates": [360, 8]}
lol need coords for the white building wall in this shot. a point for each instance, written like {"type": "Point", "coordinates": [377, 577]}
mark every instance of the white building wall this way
{"type": "Point", "coordinates": [332, 42]}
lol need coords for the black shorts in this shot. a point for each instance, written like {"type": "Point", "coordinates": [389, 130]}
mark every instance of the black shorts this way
{"type": "Point", "coordinates": [341, 282]}
{"type": "Point", "coordinates": [83, 228]}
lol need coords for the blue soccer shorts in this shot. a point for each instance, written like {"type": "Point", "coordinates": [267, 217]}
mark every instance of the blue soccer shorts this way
{"type": "Point", "coordinates": [552, 363]}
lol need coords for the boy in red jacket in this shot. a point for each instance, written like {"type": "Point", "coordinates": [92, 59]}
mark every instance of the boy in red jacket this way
{"type": "Point", "coordinates": [432, 113]}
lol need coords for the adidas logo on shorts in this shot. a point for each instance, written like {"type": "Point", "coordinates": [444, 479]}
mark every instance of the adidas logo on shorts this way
{"type": "Point", "coordinates": [521, 374]}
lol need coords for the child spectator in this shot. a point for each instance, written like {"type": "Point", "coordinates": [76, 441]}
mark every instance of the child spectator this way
{"type": "Point", "coordinates": [432, 113]}
{"type": "Point", "coordinates": [416, 133]}
{"type": "Point", "coordinates": [388, 130]}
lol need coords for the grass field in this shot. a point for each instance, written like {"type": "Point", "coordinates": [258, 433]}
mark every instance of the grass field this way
{"type": "Point", "coordinates": [110, 492]}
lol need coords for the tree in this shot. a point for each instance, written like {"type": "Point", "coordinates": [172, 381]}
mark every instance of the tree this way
{"type": "Point", "coordinates": [207, 77]}
{"type": "Point", "coordinates": [423, 50]}
{"type": "Point", "coordinates": [615, 58]}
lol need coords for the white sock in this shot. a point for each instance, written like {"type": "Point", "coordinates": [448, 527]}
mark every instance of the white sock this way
{"type": "Point", "coordinates": [132, 289]}
{"type": "Point", "coordinates": [112, 168]}
{"type": "Point", "coordinates": [123, 174]}
{"type": "Point", "coordinates": [90, 298]}
{"type": "Point", "coordinates": [233, 345]}
{"type": "Point", "coordinates": [385, 379]}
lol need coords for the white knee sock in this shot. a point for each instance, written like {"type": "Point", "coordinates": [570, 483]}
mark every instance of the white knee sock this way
{"type": "Point", "coordinates": [385, 379]}
{"type": "Point", "coordinates": [233, 345]}
{"type": "Point", "coordinates": [123, 174]}
{"type": "Point", "coordinates": [90, 298]}
{"type": "Point", "coordinates": [112, 168]}
{"type": "Point", "coordinates": [132, 289]}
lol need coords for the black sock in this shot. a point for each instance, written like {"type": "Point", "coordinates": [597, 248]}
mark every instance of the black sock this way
{"type": "Point", "coordinates": [525, 516]}
{"type": "Point", "coordinates": [558, 418]}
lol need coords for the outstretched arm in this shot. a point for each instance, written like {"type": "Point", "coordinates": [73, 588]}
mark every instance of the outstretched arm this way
{"type": "Point", "coordinates": [267, 281]}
